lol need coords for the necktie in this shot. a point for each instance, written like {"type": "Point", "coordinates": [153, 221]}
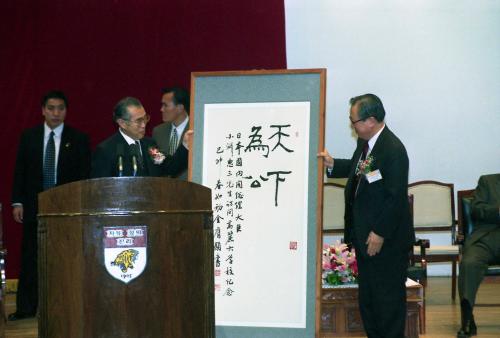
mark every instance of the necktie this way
{"type": "Point", "coordinates": [139, 154]}
{"type": "Point", "coordinates": [49, 163]}
{"type": "Point", "coordinates": [365, 152]}
{"type": "Point", "coordinates": [173, 142]}
{"type": "Point", "coordinates": [358, 178]}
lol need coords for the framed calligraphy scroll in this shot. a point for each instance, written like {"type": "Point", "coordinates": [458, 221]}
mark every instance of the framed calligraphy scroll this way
{"type": "Point", "coordinates": [256, 136]}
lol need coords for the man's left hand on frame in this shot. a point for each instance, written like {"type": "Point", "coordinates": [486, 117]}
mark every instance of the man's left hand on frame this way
{"type": "Point", "coordinates": [187, 139]}
{"type": "Point", "coordinates": [374, 243]}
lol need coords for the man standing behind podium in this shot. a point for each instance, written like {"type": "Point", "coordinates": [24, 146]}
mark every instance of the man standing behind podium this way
{"type": "Point", "coordinates": [168, 135]}
{"type": "Point", "coordinates": [128, 152]}
{"type": "Point", "coordinates": [377, 216]}
{"type": "Point", "coordinates": [49, 154]}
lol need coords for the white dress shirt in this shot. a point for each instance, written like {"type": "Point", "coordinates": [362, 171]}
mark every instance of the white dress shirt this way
{"type": "Point", "coordinates": [130, 140]}
{"type": "Point", "coordinates": [373, 140]}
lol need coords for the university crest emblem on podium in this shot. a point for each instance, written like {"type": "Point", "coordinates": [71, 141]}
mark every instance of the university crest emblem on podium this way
{"type": "Point", "coordinates": [125, 251]}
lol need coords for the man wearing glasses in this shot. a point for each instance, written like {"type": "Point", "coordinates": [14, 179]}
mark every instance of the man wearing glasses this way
{"type": "Point", "coordinates": [128, 152]}
{"type": "Point", "coordinates": [377, 216]}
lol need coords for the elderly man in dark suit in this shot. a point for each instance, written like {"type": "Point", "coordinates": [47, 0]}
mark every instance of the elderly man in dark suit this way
{"type": "Point", "coordinates": [49, 154]}
{"type": "Point", "coordinates": [377, 216]}
{"type": "Point", "coordinates": [175, 115]}
{"type": "Point", "coordinates": [481, 248]}
{"type": "Point", "coordinates": [128, 152]}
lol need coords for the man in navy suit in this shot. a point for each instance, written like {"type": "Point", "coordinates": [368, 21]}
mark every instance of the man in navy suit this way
{"type": "Point", "coordinates": [377, 216]}
{"type": "Point", "coordinates": [128, 152]}
{"type": "Point", "coordinates": [49, 154]}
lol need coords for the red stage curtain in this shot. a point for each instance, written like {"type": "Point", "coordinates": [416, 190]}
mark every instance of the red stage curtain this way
{"type": "Point", "coordinates": [100, 51]}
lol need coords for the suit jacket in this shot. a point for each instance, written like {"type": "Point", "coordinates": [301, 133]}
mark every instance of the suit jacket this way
{"type": "Point", "coordinates": [485, 207]}
{"type": "Point", "coordinates": [105, 159]}
{"type": "Point", "coordinates": [161, 134]}
{"type": "Point", "coordinates": [381, 206]}
{"type": "Point", "coordinates": [73, 164]}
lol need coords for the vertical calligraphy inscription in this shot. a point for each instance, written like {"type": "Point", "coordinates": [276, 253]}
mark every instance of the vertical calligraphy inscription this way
{"type": "Point", "coordinates": [228, 208]}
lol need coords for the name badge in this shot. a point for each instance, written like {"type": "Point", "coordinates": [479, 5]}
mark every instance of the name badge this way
{"type": "Point", "coordinates": [373, 176]}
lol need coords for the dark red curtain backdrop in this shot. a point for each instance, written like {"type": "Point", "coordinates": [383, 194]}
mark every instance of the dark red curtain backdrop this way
{"type": "Point", "coordinates": [99, 51]}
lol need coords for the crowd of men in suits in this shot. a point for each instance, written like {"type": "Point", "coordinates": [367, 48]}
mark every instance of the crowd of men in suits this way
{"type": "Point", "coordinates": [53, 153]}
{"type": "Point", "coordinates": [377, 215]}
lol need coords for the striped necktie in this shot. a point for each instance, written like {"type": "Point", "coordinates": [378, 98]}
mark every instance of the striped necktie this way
{"type": "Point", "coordinates": [172, 147]}
{"type": "Point", "coordinates": [49, 163]}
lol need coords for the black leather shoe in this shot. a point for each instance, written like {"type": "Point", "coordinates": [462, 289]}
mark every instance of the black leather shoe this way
{"type": "Point", "coordinates": [469, 327]}
{"type": "Point", "coordinates": [472, 327]}
{"type": "Point", "coordinates": [471, 331]}
{"type": "Point", "coordinates": [19, 315]}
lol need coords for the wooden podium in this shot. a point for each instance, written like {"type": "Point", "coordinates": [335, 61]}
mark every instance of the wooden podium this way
{"type": "Point", "coordinates": [169, 220]}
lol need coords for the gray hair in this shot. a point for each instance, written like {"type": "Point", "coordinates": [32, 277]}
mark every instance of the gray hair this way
{"type": "Point", "coordinates": [120, 111]}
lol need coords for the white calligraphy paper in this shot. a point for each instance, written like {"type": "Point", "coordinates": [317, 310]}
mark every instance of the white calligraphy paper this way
{"type": "Point", "coordinates": [255, 160]}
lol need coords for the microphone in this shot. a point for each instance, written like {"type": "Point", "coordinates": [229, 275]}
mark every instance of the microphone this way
{"type": "Point", "coordinates": [134, 151]}
{"type": "Point", "coordinates": [119, 152]}
{"type": "Point", "coordinates": [134, 165]}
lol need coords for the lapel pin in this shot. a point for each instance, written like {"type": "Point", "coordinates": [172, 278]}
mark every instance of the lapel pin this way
{"type": "Point", "coordinates": [67, 145]}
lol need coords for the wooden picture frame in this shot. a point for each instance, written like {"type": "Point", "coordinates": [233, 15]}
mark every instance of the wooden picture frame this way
{"type": "Point", "coordinates": [271, 86]}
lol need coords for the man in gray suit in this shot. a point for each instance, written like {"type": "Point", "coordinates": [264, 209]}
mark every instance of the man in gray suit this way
{"type": "Point", "coordinates": [482, 248]}
{"type": "Point", "coordinates": [169, 134]}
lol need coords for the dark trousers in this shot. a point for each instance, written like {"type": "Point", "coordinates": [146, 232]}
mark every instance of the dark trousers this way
{"type": "Point", "coordinates": [27, 288]}
{"type": "Point", "coordinates": [382, 294]}
{"type": "Point", "coordinates": [474, 263]}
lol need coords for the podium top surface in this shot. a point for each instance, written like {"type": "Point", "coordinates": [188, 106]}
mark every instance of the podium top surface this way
{"type": "Point", "coordinates": [125, 195]}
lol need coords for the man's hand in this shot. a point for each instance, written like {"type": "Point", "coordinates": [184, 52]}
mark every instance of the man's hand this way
{"type": "Point", "coordinates": [374, 243]}
{"type": "Point", "coordinates": [17, 213]}
{"type": "Point", "coordinates": [327, 159]}
{"type": "Point", "coordinates": [188, 139]}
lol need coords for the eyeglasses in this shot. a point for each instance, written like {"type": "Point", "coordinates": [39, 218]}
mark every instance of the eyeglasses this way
{"type": "Point", "coordinates": [354, 122]}
{"type": "Point", "coordinates": [143, 120]}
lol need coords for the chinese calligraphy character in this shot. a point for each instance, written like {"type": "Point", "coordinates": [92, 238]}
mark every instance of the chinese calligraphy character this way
{"type": "Point", "coordinates": [280, 133]}
{"type": "Point", "coordinates": [278, 179]}
{"type": "Point", "coordinates": [256, 142]}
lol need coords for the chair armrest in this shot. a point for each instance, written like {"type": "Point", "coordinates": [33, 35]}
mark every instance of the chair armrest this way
{"type": "Point", "coordinates": [460, 239]}
{"type": "Point", "coordinates": [423, 243]}
{"type": "Point", "coordinates": [454, 233]}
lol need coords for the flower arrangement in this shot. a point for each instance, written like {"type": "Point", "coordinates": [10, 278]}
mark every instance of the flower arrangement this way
{"type": "Point", "coordinates": [156, 155]}
{"type": "Point", "coordinates": [364, 167]}
{"type": "Point", "coordinates": [339, 265]}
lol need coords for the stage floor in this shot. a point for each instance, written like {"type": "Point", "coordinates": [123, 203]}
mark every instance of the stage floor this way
{"type": "Point", "coordinates": [443, 316]}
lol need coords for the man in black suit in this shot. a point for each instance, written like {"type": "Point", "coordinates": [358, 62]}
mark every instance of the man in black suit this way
{"type": "Point", "coordinates": [481, 248]}
{"type": "Point", "coordinates": [49, 154]}
{"type": "Point", "coordinates": [377, 216]}
{"type": "Point", "coordinates": [128, 152]}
